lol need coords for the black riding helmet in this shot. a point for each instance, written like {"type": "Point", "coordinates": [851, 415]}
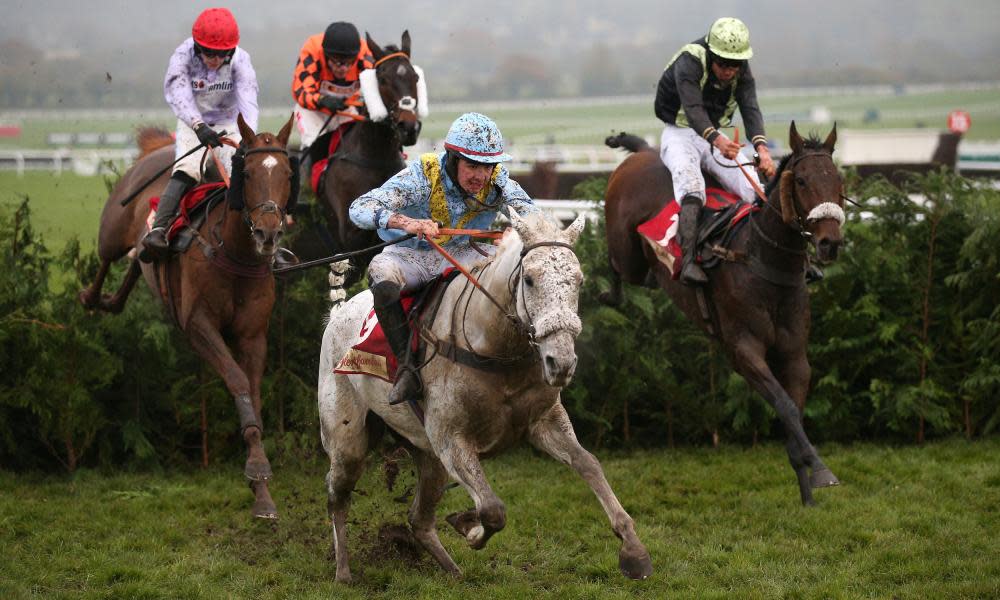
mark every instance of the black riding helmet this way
{"type": "Point", "coordinates": [341, 39]}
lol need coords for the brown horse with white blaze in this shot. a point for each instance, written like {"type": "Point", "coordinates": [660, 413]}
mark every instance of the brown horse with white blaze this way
{"type": "Point", "coordinates": [756, 300]}
{"type": "Point", "coordinates": [221, 296]}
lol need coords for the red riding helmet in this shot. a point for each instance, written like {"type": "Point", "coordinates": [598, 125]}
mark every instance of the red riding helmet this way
{"type": "Point", "coordinates": [215, 28]}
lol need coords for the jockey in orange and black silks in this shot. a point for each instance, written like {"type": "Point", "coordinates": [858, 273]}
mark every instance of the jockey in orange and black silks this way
{"type": "Point", "coordinates": [463, 187]}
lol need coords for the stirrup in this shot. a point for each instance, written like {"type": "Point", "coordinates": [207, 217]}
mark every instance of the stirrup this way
{"type": "Point", "coordinates": [813, 274]}
{"type": "Point", "coordinates": [152, 251]}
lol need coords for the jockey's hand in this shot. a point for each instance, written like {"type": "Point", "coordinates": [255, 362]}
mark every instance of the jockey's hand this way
{"type": "Point", "coordinates": [727, 147]}
{"type": "Point", "coordinates": [207, 136]}
{"type": "Point", "coordinates": [422, 227]}
{"type": "Point", "coordinates": [333, 103]}
{"type": "Point", "coordinates": [765, 164]}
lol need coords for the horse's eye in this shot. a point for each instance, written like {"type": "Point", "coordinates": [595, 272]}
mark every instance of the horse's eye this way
{"type": "Point", "coordinates": [800, 181]}
{"type": "Point", "coordinates": [529, 280]}
{"type": "Point", "coordinates": [382, 81]}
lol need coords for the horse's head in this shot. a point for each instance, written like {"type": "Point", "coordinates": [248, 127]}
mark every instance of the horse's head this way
{"type": "Point", "coordinates": [548, 290]}
{"type": "Point", "coordinates": [811, 192]}
{"type": "Point", "coordinates": [395, 89]}
{"type": "Point", "coordinates": [266, 184]}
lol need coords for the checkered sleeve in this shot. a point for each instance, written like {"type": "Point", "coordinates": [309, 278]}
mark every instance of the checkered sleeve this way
{"type": "Point", "coordinates": [306, 80]}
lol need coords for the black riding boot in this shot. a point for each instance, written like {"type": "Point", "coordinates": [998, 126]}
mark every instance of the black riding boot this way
{"type": "Point", "coordinates": [389, 311]}
{"type": "Point", "coordinates": [156, 245]}
{"type": "Point", "coordinates": [687, 230]}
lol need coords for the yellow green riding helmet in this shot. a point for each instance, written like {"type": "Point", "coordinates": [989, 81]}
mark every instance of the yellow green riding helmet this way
{"type": "Point", "coordinates": [730, 38]}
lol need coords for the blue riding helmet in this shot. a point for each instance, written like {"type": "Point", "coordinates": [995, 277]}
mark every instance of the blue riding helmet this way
{"type": "Point", "coordinates": [477, 138]}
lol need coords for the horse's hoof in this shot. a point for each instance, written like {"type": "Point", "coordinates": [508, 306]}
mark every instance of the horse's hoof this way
{"type": "Point", "coordinates": [343, 578]}
{"type": "Point", "coordinates": [635, 566]}
{"type": "Point", "coordinates": [463, 522]}
{"type": "Point", "coordinates": [476, 537]}
{"type": "Point", "coordinates": [86, 299]}
{"type": "Point", "coordinates": [265, 510]}
{"type": "Point", "coordinates": [823, 478]}
{"type": "Point", "coordinates": [257, 470]}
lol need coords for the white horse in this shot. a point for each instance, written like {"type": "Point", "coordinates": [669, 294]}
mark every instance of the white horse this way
{"type": "Point", "coordinates": [522, 343]}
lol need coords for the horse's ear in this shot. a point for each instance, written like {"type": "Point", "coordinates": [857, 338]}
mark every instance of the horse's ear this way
{"type": "Point", "coordinates": [519, 224]}
{"type": "Point", "coordinates": [286, 131]}
{"type": "Point", "coordinates": [405, 46]}
{"type": "Point", "coordinates": [245, 132]}
{"type": "Point", "coordinates": [571, 233]}
{"type": "Point", "coordinates": [376, 50]}
{"type": "Point", "coordinates": [831, 139]}
{"type": "Point", "coordinates": [795, 140]}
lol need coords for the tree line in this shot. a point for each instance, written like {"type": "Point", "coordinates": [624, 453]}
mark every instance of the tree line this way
{"type": "Point", "coordinates": [905, 346]}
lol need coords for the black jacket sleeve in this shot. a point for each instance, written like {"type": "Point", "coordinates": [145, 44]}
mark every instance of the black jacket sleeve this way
{"type": "Point", "coordinates": [746, 99]}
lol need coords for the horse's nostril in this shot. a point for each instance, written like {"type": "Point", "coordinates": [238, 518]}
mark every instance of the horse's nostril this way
{"type": "Point", "coordinates": [550, 363]}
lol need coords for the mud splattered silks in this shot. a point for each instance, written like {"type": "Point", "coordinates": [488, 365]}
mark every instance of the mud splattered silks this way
{"type": "Point", "coordinates": [197, 94]}
{"type": "Point", "coordinates": [408, 193]}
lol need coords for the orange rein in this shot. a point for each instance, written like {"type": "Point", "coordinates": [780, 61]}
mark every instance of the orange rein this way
{"type": "Point", "coordinates": [470, 232]}
{"type": "Point", "coordinates": [752, 180]}
{"type": "Point", "coordinates": [218, 163]}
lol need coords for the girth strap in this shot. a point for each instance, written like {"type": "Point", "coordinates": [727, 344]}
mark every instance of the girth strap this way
{"type": "Point", "coordinates": [489, 364]}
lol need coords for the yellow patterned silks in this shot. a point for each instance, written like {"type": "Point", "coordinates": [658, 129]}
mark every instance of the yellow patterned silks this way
{"type": "Point", "coordinates": [439, 204]}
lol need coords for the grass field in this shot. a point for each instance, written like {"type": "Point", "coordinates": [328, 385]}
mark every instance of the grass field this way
{"type": "Point", "coordinates": [589, 122]}
{"type": "Point", "coordinates": [906, 523]}
{"type": "Point", "coordinates": [61, 206]}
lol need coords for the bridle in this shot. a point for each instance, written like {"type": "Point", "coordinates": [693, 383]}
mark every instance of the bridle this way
{"type": "Point", "coordinates": [405, 103]}
{"type": "Point", "coordinates": [268, 206]}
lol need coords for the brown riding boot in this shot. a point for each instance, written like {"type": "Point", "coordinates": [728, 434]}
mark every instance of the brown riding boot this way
{"type": "Point", "coordinates": [156, 246]}
{"type": "Point", "coordinates": [391, 315]}
{"type": "Point", "coordinates": [687, 231]}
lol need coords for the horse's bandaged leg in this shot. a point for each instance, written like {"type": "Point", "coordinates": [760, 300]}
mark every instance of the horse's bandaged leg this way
{"type": "Point", "coordinates": [248, 417]}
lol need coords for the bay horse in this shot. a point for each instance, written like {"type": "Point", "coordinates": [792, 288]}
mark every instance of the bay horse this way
{"type": "Point", "coordinates": [222, 296]}
{"type": "Point", "coordinates": [371, 149]}
{"type": "Point", "coordinates": [758, 303]}
{"type": "Point", "coordinates": [523, 346]}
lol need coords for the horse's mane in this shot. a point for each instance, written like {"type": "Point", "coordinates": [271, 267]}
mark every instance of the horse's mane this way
{"type": "Point", "coordinates": [811, 143]}
{"type": "Point", "coordinates": [150, 138]}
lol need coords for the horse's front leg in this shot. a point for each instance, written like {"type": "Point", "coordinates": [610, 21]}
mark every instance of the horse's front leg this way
{"type": "Point", "coordinates": [793, 373]}
{"type": "Point", "coordinates": [252, 352]}
{"type": "Point", "coordinates": [462, 462]}
{"type": "Point", "coordinates": [432, 478]}
{"type": "Point", "coordinates": [748, 359]}
{"type": "Point", "coordinates": [209, 344]}
{"type": "Point", "coordinates": [553, 434]}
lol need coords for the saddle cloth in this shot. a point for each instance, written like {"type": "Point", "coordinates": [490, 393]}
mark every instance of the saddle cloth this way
{"type": "Point", "coordinates": [370, 353]}
{"type": "Point", "coordinates": [319, 167]}
{"type": "Point", "coordinates": [190, 203]}
{"type": "Point", "coordinates": [720, 216]}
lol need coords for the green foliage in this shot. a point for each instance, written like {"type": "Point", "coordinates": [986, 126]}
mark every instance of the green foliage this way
{"type": "Point", "coordinates": [904, 345]}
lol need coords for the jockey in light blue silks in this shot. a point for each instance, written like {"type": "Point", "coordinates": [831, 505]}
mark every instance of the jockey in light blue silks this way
{"type": "Point", "coordinates": [463, 187]}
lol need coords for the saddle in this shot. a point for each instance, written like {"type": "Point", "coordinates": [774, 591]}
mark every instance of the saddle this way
{"type": "Point", "coordinates": [319, 167]}
{"type": "Point", "coordinates": [721, 217]}
{"type": "Point", "coordinates": [194, 209]}
{"type": "Point", "coordinates": [370, 354]}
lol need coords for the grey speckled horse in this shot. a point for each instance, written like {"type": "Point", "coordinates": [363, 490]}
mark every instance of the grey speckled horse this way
{"type": "Point", "coordinates": [472, 413]}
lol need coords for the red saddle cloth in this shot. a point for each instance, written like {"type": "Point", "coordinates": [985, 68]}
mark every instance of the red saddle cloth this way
{"type": "Point", "coordinates": [661, 230]}
{"type": "Point", "coordinates": [370, 353]}
{"type": "Point", "coordinates": [193, 198]}
{"type": "Point", "coordinates": [320, 165]}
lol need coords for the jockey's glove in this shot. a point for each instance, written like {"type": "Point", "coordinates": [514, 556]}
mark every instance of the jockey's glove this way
{"type": "Point", "coordinates": [333, 103]}
{"type": "Point", "coordinates": [207, 136]}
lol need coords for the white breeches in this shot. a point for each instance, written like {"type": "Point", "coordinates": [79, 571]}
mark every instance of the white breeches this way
{"type": "Point", "coordinates": [410, 268]}
{"type": "Point", "coordinates": [686, 153]}
{"type": "Point", "coordinates": [187, 139]}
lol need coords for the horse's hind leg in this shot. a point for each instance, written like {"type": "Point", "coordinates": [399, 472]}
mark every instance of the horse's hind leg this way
{"type": "Point", "coordinates": [430, 486]}
{"type": "Point", "coordinates": [345, 439]}
{"type": "Point", "coordinates": [613, 296]}
{"type": "Point", "coordinates": [748, 359]}
{"type": "Point", "coordinates": [553, 434]}
{"type": "Point", "coordinates": [462, 463]}
{"type": "Point", "coordinates": [114, 304]}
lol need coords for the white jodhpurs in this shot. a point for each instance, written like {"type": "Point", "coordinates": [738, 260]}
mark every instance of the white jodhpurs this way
{"type": "Point", "coordinates": [187, 139]}
{"type": "Point", "coordinates": [686, 153]}
{"type": "Point", "coordinates": [410, 268]}
{"type": "Point", "coordinates": [310, 123]}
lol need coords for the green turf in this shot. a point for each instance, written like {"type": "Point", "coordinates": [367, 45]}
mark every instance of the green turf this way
{"type": "Point", "coordinates": [912, 522]}
{"type": "Point", "coordinates": [62, 206]}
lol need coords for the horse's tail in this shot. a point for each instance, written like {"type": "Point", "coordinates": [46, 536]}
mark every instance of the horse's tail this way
{"type": "Point", "coordinates": [632, 143]}
{"type": "Point", "coordinates": [338, 276]}
{"type": "Point", "coordinates": [150, 139]}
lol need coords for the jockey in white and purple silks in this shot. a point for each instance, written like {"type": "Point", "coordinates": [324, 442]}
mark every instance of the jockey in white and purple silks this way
{"type": "Point", "coordinates": [467, 193]}
{"type": "Point", "coordinates": [209, 81]}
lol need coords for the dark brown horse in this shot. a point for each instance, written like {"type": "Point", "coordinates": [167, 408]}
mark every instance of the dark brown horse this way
{"type": "Point", "coordinates": [757, 303]}
{"type": "Point", "coordinates": [221, 293]}
{"type": "Point", "coordinates": [371, 150]}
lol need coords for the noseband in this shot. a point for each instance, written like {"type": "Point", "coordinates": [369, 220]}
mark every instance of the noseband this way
{"type": "Point", "coordinates": [405, 103]}
{"type": "Point", "coordinates": [527, 327]}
